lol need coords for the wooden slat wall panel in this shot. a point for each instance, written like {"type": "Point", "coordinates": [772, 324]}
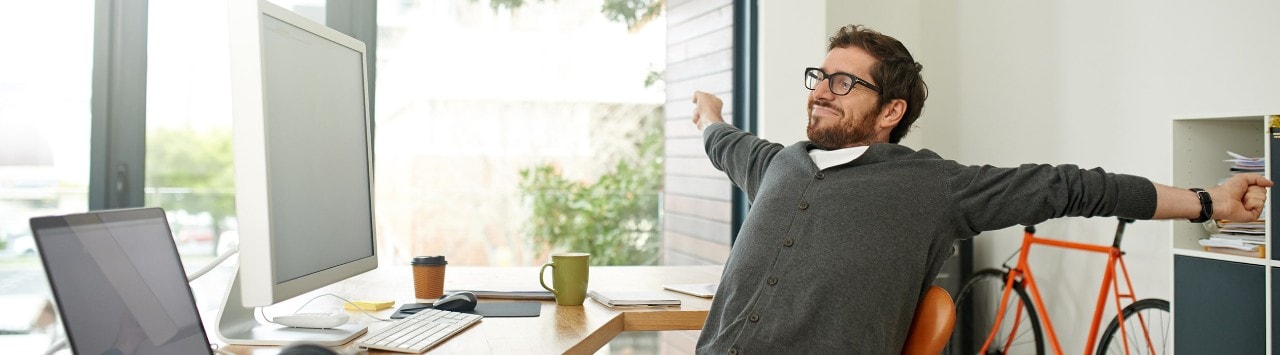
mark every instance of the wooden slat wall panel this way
{"type": "Point", "coordinates": [694, 166]}
{"type": "Point", "coordinates": [700, 45]}
{"type": "Point", "coordinates": [687, 147]}
{"type": "Point", "coordinates": [701, 25]}
{"type": "Point", "coordinates": [697, 228]}
{"type": "Point", "coordinates": [696, 205]}
{"type": "Point", "coordinates": [697, 66]}
{"type": "Point", "coordinates": [706, 188]}
{"type": "Point", "coordinates": [679, 12]}
{"type": "Point", "coordinates": [708, 250]}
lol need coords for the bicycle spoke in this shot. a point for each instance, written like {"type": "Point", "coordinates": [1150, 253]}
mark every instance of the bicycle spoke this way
{"type": "Point", "coordinates": [1149, 316]}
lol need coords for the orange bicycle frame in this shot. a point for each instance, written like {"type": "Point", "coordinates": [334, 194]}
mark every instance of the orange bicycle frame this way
{"type": "Point", "coordinates": [1023, 271]}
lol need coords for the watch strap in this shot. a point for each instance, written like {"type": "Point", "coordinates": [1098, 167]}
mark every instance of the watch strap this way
{"type": "Point", "coordinates": [1206, 205]}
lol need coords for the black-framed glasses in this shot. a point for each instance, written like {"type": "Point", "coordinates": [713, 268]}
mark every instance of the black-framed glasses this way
{"type": "Point", "coordinates": [839, 83]}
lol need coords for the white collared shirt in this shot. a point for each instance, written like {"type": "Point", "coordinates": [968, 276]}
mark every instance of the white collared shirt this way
{"type": "Point", "coordinates": [828, 158]}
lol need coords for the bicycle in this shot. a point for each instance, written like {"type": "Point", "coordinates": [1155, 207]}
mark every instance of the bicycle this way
{"type": "Point", "coordinates": [993, 294]}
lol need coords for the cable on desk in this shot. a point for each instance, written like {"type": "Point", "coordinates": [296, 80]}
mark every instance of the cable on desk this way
{"type": "Point", "coordinates": [304, 305]}
{"type": "Point", "coordinates": [57, 345]}
{"type": "Point", "coordinates": [204, 270]}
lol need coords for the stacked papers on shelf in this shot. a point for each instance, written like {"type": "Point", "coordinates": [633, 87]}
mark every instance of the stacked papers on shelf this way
{"type": "Point", "coordinates": [1243, 164]}
{"type": "Point", "coordinates": [1231, 243]}
{"type": "Point", "coordinates": [1251, 228]}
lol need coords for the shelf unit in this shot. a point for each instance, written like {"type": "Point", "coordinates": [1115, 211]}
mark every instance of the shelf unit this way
{"type": "Point", "coordinates": [1222, 303]}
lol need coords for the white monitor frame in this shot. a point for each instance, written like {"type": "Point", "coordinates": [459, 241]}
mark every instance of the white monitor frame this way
{"type": "Point", "coordinates": [255, 284]}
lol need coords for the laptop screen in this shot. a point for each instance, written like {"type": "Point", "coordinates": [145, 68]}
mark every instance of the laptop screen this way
{"type": "Point", "coordinates": [119, 284]}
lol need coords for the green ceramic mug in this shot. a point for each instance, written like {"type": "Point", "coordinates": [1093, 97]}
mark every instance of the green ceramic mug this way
{"type": "Point", "coordinates": [569, 275]}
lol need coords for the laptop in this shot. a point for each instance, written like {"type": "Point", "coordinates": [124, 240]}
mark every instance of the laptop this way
{"type": "Point", "coordinates": [119, 284]}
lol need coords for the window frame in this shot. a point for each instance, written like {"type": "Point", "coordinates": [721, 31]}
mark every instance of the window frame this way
{"type": "Point", "coordinates": [745, 87]}
{"type": "Point", "coordinates": [119, 95]}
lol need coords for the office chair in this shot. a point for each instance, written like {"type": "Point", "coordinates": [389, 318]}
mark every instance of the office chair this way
{"type": "Point", "coordinates": [931, 327]}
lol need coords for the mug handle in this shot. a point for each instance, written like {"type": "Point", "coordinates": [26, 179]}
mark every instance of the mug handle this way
{"type": "Point", "coordinates": [542, 277]}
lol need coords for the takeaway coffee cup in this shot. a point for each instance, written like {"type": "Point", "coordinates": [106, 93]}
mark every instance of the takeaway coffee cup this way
{"type": "Point", "coordinates": [568, 275]}
{"type": "Point", "coordinates": [428, 277]}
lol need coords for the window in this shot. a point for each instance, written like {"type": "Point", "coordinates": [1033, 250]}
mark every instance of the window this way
{"type": "Point", "coordinates": [189, 166]}
{"type": "Point", "coordinates": [45, 83]}
{"type": "Point", "coordinates": [507, 130]}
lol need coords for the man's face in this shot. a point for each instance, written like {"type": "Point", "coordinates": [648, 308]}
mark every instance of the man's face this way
{"type": "Point", "coordinates": [842, 121]}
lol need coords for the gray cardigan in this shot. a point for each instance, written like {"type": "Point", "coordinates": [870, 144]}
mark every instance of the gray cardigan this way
{"type": "Point", "coordinates": [834, 261]}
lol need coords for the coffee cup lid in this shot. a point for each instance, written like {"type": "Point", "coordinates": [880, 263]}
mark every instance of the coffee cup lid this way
{"type": "Point", "coordinates": [429, 260]}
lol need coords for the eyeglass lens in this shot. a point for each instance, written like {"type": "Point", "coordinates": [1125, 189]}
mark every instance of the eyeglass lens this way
{"type": "Point", "coordinates": [839, 83]}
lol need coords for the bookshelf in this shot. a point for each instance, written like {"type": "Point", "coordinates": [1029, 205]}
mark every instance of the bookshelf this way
{"type": "Point", "coordinates": [1222, 303]}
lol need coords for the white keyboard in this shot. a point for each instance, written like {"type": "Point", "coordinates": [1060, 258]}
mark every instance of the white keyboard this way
{"type": "Point", "coordinates": [418, 332]}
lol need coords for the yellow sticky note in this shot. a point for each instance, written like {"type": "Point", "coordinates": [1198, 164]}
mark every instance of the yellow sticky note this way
{"type": "Point", "coordinates": [368, 305]}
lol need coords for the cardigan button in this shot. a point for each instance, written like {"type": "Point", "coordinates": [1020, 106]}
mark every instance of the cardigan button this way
{"type": "Point", "coordinates": [788, 242]}
{"type": "Point", "coordinates": [821, 176]}
{"type": "Point", "coordinates": [773, 280]}
{"type": "Point", "coordinates": [804, 205]}
{"type": "Point", "coordinates": [753, 318]}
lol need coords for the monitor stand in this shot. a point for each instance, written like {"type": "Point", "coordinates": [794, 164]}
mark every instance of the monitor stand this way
{"type": "Point", "coordinates": [238, 326]}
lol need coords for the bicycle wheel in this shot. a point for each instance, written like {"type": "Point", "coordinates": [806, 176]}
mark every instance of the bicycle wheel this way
{"type": "Point", "coordinates": [976, 308]}
{"type": "Point", "coordinates": [1154, 313]}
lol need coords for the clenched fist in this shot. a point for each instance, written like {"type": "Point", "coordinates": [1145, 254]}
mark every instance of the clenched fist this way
{"type": "Point", "coordinates": [706, 109]}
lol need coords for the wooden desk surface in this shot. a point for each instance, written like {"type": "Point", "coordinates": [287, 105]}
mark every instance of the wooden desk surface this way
{"type": "Point", "coordinates": [559, 329]}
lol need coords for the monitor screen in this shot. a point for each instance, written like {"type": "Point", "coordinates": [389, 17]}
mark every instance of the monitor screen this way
{"type": "Point", "coordinates": [316, 150]}
{"type": "Point", "coordinates": [304, 166]}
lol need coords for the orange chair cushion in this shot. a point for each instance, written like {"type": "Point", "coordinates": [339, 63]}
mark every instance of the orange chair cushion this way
{"type": "Point", "coordinates": [934, 320]}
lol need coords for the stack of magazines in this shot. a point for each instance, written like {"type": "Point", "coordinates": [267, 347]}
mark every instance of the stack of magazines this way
{"type": "Point", "coordinates": [1245, 239]}
{"type": "Point", "coordinates": [1243, 164]}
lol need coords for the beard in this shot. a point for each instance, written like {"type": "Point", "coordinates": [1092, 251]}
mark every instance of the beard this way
{"type": "Point", "coordinates": [844, 133]}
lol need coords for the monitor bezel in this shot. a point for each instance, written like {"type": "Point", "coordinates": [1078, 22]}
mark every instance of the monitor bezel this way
{"type": "Point", "coordinates": [259, 286]}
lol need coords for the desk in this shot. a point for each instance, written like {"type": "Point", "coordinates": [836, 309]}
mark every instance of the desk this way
{"type": "Point", "coordinates": [560, 329]}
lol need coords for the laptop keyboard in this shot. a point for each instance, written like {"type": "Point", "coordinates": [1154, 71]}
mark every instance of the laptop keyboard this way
{"type": "Point", "coordinates": [419, 332]}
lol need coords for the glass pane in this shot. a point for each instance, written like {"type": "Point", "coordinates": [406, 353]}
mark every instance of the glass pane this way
{"type": "Point", "coordinates": [507, 130]}
{"type": "Point", "coordinates": [311, 9]}
{"type": "Point", "coordinates": [189, 159]}
{"type": "Point", "coordinates": [188, 162]}
{"type": "Point", "coordinates": [45, 84]}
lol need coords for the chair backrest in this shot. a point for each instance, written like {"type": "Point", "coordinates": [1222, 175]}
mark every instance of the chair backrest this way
{"type": "Point", "coordinates": [931, 328]}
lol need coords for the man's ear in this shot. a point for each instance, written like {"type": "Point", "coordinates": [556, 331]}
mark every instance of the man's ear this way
{"type": "Point", "coordinates": [891, 113]}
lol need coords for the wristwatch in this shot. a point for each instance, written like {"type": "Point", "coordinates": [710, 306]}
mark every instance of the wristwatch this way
{"type": "Point", "coordinates": [1206, 205]}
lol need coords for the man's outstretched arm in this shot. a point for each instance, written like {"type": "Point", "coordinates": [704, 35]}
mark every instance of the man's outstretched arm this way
{"type": "Point", "coordinates": [1238, 199]}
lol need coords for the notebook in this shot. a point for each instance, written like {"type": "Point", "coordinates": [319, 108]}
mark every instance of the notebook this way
{"type": "Point", "coordinates": [119, 284]}
{"type": "Point", "coordinates": [634, 298]}
{"type": "Point", "coordinates": [700, 290]}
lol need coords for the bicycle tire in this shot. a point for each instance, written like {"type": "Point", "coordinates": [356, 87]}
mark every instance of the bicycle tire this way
{"type": "Point", "coordinates": [976, 311]}
{"type": "Point", "coordinates": [1155, 312]}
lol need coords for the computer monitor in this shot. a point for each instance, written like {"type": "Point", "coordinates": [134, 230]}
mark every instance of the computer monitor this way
{"type": "Point", "coordinates": [303, 167]}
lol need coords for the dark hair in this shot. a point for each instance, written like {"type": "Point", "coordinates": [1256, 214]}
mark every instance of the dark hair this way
{"type": "Point", "coordinates": [895, 72]}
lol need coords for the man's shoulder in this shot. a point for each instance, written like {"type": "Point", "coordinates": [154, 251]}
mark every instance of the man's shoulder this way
{"type": "Point", "coordinates": [901, 152]}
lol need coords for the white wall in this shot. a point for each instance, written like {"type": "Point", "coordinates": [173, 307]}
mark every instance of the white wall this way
{"type": "Point", "coordinates": [1092, 83]}
{"type": "Point", "coordinates": [792, 36]}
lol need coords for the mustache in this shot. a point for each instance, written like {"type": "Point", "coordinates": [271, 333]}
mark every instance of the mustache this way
{"type": "Point", "coordinates": [827, 105]}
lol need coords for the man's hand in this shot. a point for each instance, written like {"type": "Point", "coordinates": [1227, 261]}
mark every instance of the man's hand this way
{"type": "Point", "coordinates": [1240, 198]}
{"type": "Point", "coordinates": [706, 109]}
